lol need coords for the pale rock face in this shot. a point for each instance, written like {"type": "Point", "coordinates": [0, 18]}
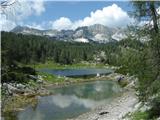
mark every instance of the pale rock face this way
{"type": "Point", "coordinates": [97, 28]}
{"type": "Point", "coordinates": [119, 36]}
{"type": "Point", "coordinates": [97, 33]}
{"type": "Point", "coordinates": [50, 32]}
{"type": "Point", "coordinates": [83, 40]}
{"type": "Point", "coordinates": [102, 38]}
{"type": "Point", "coordinates": [79, 33]}
{"type": "Point", "coordinates": [32, 31]}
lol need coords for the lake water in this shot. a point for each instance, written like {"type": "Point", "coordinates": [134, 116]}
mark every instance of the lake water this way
{"type": "Point", "coordinates": [77, 72]}
{"type": "Point", "coordinates": [69, 101]}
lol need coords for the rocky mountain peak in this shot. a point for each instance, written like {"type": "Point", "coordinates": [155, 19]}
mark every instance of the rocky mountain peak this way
{"type": "Point", "coordinates": [97, 33]}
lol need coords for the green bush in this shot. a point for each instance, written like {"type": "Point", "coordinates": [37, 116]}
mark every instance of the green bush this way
{"type": "Point", "coordinates": [28, 70]}
{"type": "Point", "coordinates": [155, 110]}
{"type": "Point", "coordinates": [14, 77]}
{"type": "Point", "coordinates": [139, 115]}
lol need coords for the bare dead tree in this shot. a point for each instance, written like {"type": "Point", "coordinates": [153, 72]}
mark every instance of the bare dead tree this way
{"type": "Point", "coordinates": [7, 4]}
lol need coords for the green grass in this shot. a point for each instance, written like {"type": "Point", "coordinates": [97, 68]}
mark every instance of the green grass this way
{"type": "Point", "coordinates": [138, 115]}
{"type": "Point", "coordinates": [51, 78]}
{"type": "Point", "coordinates": [53, 65]}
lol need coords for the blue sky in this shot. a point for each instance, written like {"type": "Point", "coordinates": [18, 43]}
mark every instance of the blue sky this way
{"type": "Point", "coordinates": [72, 10]}
{"type": "Point", "coordinates": [64, 15]}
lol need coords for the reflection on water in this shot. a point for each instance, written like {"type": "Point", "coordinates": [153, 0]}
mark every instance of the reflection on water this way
{"type": "Point", "coordinates": [70, 101]}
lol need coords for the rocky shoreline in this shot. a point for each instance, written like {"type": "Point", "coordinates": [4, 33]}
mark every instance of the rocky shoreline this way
{"type": "Point", "coordinates": [122, 79]}
{"type": "Point", "coordinates": [117, 109]}
{"type": "Point", "coordinates": [17, 95]}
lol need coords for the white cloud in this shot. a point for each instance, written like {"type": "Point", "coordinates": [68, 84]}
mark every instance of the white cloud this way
{"type": "Point", "coordinates": [5, 24]}
{"type": "Point", "coordinates": [19, 11]}
{"type": "Point", "coordinates": [62, 23]}
{"type": "Point", "coordinates": [111, 16]}
{"type": "Point", "coordinates": [24, 8]}
{"type": "Point", "coordinates": [38, 6]}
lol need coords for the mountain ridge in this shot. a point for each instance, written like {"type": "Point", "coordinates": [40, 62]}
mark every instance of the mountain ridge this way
{"type": "Point", "coordinates": [96, 33]}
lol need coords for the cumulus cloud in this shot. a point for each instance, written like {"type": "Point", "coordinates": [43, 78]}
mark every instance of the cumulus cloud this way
{"type": "Point", "coordinates": [24, 8]}
{"type": "Point", "coordinates": [111, 16]}
{"type": "Point", "coordinates": [38, 6]}
{"type": "Point", "coordinates": [20, 10]}
{"type": "Point", "coordinates": [6, 24]}
{"type": "Point", "coordinates": [62, 23]}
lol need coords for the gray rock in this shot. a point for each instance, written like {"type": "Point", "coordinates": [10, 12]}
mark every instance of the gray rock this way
{"type": "Point", "coordinates": [20, 86]}
{"type": "Point", "coordinates": [145, 108]}
{"type": "Point", "coordinates": [4, 85]}
{"type": "Point", "coordinates": [39, 81]}
{"type": "Point", "coordinates": [137, 106]}
{"type": "Point", "coordinates": [119, 78]}
{"type": "Point", "coordinates": [2, 118]}
{"type": "Point", "coordinates": [28, 90]}
{"type": "Point", "coordinates": [158, 118]}
{"type": "Point", "coordinates": [33, 77]}
{"type": "Point", "coordinates": [103, 113]}
{"type": "Point", "coordinates": [12, 90]}
{"type": "Point", "coordinates": [40, 77]}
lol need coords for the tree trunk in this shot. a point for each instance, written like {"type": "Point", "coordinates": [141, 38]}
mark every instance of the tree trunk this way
{"type": "Point", "coordinates": [154, 16]}
{"type": "Point", "coordinates": [155, 37]}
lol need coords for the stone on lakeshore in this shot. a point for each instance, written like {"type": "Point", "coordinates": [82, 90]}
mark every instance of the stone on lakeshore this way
{"type": "Point", "coordinates": [119, 78]}
{"type": "Point", "coordinates": [98, 75]}
{"type": "Point", "coordinates": [39, 81]}
{"type": "Point", "coordinates": [158, 118]}
{"type": "Point", "coordinates": [56, 83]}
{"type": "Point", "coordinates": [103, 112]}
{"type": "Point", "coordinates": [40, 77]}
{"type": "Point", "coordinates": [138, 105]}
{"type": "Point", "coordinates": [33, 77]}
{"type": "Point", "coordinates": [144, 108]}
{"type": "Point", "coordinates": [20, 86]}
{"type": "Point", "coordinates": [14, 90]}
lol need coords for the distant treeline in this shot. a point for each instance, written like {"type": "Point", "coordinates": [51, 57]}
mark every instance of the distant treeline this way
{"type": "Point", "coordinates": [29, 48]}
